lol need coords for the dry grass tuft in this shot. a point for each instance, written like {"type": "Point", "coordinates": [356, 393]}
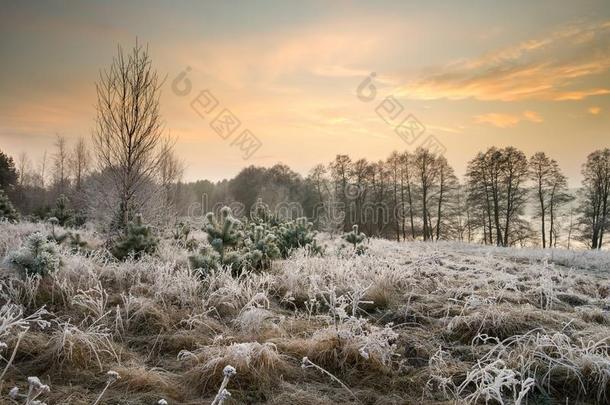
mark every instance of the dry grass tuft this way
{"type": "Point", "coordinates": [258, 366]}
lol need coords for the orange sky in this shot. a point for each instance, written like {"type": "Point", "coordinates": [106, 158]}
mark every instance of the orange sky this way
{"type": "Point", "coordinates": [475, 74]}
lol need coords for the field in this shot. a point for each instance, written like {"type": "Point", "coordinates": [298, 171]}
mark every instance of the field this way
{"type": "Point", "coordinates": [404, 323]}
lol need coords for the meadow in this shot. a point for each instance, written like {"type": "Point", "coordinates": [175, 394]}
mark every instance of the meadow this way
{"type": "Point", "coordinates": [396, 323]}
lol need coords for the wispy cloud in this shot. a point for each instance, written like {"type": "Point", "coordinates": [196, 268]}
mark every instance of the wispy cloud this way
{"type": "Point", "coordinates": [594, 110]}
{"type": "Point", "coordinates": [561, 66]}
{"type": "Point", "coordinates": [501, 120]}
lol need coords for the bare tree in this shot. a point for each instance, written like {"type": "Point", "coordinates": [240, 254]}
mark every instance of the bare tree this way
{"type": "Point", "coordinates": [447, 188]}
{"type": "Point", "coordinates": [426, 173]}
{"type": "Point", "coordinates": [42, 170]}
{"type": "Point", "coordinates": [596, 197]}
{"type": "Point", "coordinates": [170, 172]}
{"type": "Point", "coordinates": [406, 195]}
{"type": "Point", "coordinates": [23, 168]}
{"type": "Point", "coordinates": [128, 133]}
{"type": "Point", "coordinates": [496, 183]}
{"type": "Point", "coordinates": [79, 162]}
{"type": "Point", "coordinates": [60, 164]}
{"type": "Point", "coordinates": [393, 164]}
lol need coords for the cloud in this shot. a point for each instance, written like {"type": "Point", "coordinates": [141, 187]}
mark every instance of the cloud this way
{"type": "Point", "coordinates": [500, 120]}
{"type": "Point", "coordinates": [532, 116]}
{"type": "Point", "coordinates": [561, 66]}
{"type": "Point", "coordinates": [497, 120]}
{"type": "Point", "coordinates": [594, 110]}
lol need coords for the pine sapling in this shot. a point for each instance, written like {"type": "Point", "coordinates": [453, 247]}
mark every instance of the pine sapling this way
{"type": "Point", "coordinates": [137, 241]}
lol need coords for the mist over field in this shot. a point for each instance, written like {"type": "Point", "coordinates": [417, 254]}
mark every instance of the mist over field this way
{"type": "Point", "coordinates": [304, 203]}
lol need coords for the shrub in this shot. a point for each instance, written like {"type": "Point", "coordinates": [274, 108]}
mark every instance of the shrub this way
{"type": "Point", "coordinates": [181, 234]}
{"type": "Point", "coordinates": [37, 256]}
{"type": "Point", "coordinates": [7, 211]}
{"type": "Point", "coordinates": [356, 239]}
{"type": "Point", "coordinates": [137, 241]}
{"type": "Point", "coordinates": [77, 244]}
{"type": "Point", "coordinates": [223, 233]}
{"type": "Point", "coordinates": [224, 237]}
{"type": "Point", "coordinates": [260, 248]}
{"type": "Point", "coordinates": [61, 211]}
{"type": "Point", "coordinates": [254, 246]}
{"type": "Point", "coordinates": [295, 234]}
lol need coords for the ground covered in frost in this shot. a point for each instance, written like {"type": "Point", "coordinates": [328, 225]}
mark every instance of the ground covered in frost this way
{"type": "Point", "coordinates": [404, 323]}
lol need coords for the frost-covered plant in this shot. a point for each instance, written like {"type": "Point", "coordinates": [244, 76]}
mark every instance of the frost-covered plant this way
{"type": "Point", "coordinates": [438, 365]}
{"type": "Point", "coordinates": [494, 381]}
{"type": "Point", "coordinates": [112, 376]}
{"type": "Point", "coordinates": [294, 234]}
{"type": "Point", "coordinates": [181, 234]}
{"type": "Point", "coordinates": [260, 248]}
{"type": "Point", "coordinates": [224, 236]}
{"type": "Point", "coordinates": [552, 360]}
{"type": "Point", "coordinates": [306, 363]}
{"type": "Point", "coordinates": [35, 389]}
{"type": "Point", "coordinates": [72, 345]}
{"type": "Point", "coordinates": [223, 394]}
{"type": "Point", "coordinates": [55, 236]}
{"type": "Point", "coordinates": [7, 211]}
{"type": "Point", "coordinates": [223, 232]}
{"type": "Point", "coordinates": [137, 241]}
{"type": "Point", "coordinates": [37, 256]}
{"type": "Point", "coordinates": [356, 239]}
{"type": "Point", "coordinates": [13, 322]}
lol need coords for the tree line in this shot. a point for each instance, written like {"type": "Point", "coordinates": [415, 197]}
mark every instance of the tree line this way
{"type": "Point", "coordinates": [505, 198]}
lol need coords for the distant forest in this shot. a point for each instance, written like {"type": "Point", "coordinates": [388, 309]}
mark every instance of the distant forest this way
{"type": "Point", "coordinates": [505, 198]}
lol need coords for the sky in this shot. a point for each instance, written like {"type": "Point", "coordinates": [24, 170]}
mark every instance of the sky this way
{"type": "Point", "coordinates": [470, 74]}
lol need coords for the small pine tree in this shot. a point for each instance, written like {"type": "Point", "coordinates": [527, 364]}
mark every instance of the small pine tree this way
{"type": "Point", "coordinates": [137, 241]}
{"type": "Point", "coordinates": [224, 236]}
{"type": "Point", "coordinates": [260, 248]}
{"type": "Point", "coordinates": [37, 256]}
{"type": "Point", "coordinates": [295, 234]}
{"type": "Point", "coordinates": [77, 244]}
{"type": "Point", "coordinates": [356, 238]}
{"type": "Point", "coordinates": [223, 233]}
{"type": "Point", "coordinates": [7, 211]}
{"type": "Point", "coordinates": [62, 211]}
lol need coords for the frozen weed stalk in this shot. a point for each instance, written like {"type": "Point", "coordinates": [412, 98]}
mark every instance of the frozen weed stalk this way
{"type": "Point", "coordinates": [35, 389]}
{"type": "Point", "coordinates": [223, 394]}
{"type": "Point", "coordinates": [306, 363]}
{"type": "Point", "coordinates": [112, 377]}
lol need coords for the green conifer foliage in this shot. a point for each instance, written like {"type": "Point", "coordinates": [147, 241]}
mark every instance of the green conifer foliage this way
{"type": "Point", "coordinates": [223, 232]}
{"type": "Point", "coordinates": [224, 237]}
{"type": "Point", "coordinates": [37, 256]}
{"type": "Point", "coordinates": [137, 241]}
{"type": "Point", "coordinates": [62, 211]}
{"type": "Point", "coordinates": [295, 234]}
{"type": "Point", "coordinates": [7, 211]}
{"type": "Point", "coordinates": [260, 248]}
{"type": "Point", "coordinates": [77, 244]}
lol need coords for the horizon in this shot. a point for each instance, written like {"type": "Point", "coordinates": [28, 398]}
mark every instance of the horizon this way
{"type": "Point", "coordinates": [534, 77]}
